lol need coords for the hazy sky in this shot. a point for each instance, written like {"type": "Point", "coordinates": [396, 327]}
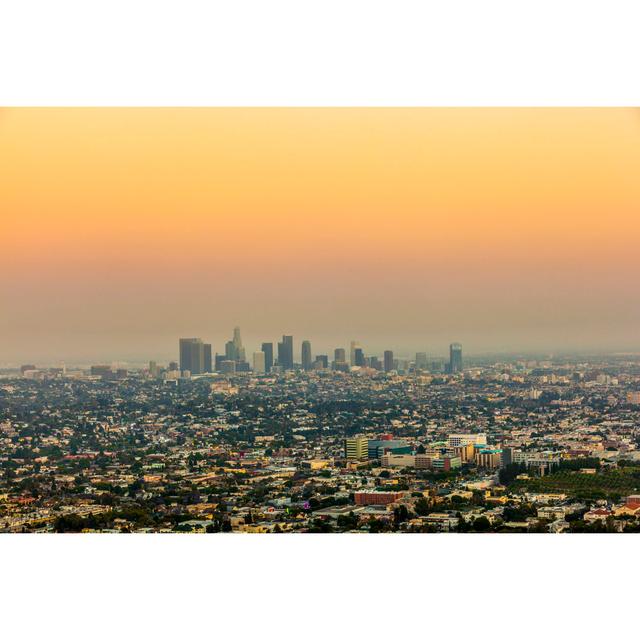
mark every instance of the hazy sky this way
{"type": "Point", "coordinates": [505, 229]}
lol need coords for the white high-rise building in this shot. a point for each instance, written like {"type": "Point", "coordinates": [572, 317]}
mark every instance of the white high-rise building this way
{"type": "Point", "coordinates": [258, 362]}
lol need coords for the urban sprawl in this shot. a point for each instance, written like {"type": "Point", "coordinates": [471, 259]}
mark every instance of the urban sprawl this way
{"type": "Point", "coordinates": [354, 443]}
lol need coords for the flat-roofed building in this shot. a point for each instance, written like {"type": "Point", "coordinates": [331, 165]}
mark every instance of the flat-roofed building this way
{"type": "Point", "coordinates": [377, 497]}
{"type": "Point", "coordinates": [356, 448]}
{"type": "Point", "coordinates": [460, 439]}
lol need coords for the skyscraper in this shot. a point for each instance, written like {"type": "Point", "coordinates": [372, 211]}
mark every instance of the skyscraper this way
{"type": "Point", "coordinates": [339, 355]}
{"type": "Point", "coordinates": [237, 343]}
{"type": "Point", "coordinates": [388, 361]}
{"type": "Point", "coordinates": [285, 353]}
{"type": "Point", "coordinates": [359, 357]}
{"type": "Point", "coordinates": [267, 349]}
{"type": "Point", "coordinates": [192, 355]}
{"type": "Point", "coordinates": [230, 350]}
{"type": "Point", "coordinates": [259, 362]}
{"type": "Point", "coordinates": [352, 356]}
{"type": "Point", "coordinates": [306, 355]}
{"type": "Point", "coordinates": [421, 360]}
{"type": "Point", "coordinates": [455, 357]}
{"type": "Point", "coordinates": [208, 359]}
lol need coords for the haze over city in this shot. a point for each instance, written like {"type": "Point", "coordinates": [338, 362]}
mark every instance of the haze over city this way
{"type": "Point", "coordinates": [404, 229]}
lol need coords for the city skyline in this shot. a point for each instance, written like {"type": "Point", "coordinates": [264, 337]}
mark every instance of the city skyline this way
{"type": "Point", "coordinates": [440, 352]}
{"type": "Point", "coordinates": [506, 229]}
{"type": "Point", "coordinates": [197, 357]}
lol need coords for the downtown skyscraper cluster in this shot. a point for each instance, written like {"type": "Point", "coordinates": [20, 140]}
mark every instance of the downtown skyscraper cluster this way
{"type": "Point", "coordinates": [196, 358]}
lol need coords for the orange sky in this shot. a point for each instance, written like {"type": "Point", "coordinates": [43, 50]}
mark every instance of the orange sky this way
{"type": "Point", "coordinates": [506, 229]}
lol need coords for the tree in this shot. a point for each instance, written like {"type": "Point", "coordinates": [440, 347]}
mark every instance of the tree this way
{"type": "Point", "coordinates": [422, 507]}
{"type": "Point", "coordinates": [348, 522]}
{"type": "Point", "coordinates": [481, 524]}
{"type": "Point", "coordinates": [400, 514]}
{"type": "Point", "coordinates": [320, 526]}
{"type": "Point", "coordinates": [508, 474]}
{"type": "Point", "coordinates": [377, 526]}
{"type": "Point", "coordinates": [463, 525]}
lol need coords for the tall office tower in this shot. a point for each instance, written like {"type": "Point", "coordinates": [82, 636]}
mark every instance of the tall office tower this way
{"type": "Point", "coordinates": [208, 359]}
{"type": "Point", "coordinates": [153, 368]}
{"type": "Point", "coordinates": [267, 349]}
{"type": "Point", "coordinates": [455, 357]}
{"type": "Point", "coordinates": [388, 361]}
{"type": "Point", "coordinates": [339, 355]}
{"type": "Point", "coordinates": [230, 351]}
{"type": "Point", "coordinates": [321, 362]}
{"type": "Point", "coordinates": [258, 362]}
{"type": "Point", "coordinates": [352, 356]}
{"type": "Point", "coordinates": [285, 353]}
{"type": "Point", "coordinates": [218, 360]}
{"type": "Point", "coordinates": [306, 355]}
{"type": "Point", "coordinates": [356, 448]}
{"type": "Point", "coordinates": [374, 363]}
{"type": "Point", "coordinates": [281, 356]}
{"type": "Point", "coordinates": [192, 355]}
{"type": "Point", "coordinates": [359, 357]}
{"type": "Point", "coordinates": [237, 343]}
{"type": "Point", "coordinates": [421, 360]}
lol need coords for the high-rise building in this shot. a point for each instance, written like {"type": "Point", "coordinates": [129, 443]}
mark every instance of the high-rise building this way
{"type": "Point", "coordinates": [285, 353]}
{"type": "Point", "coordinates": [421, 360]}
{"type": "Point", "coordinates": [230, 350]}
{"type": "Point", "coordinates": [228, 366]}
{"type": "Point", "coordinates": [455, 357]}
{"type": "Point", "coordinates": [339, 355]}
{"type": "Point", "coordinates": [352, 356]}
{"type": "Point", "coordinates": [306, 355]}
{"type": "Point", "coordinates": [237, 343]}
{"type": "Point", "coordinates": [321, 362]}
{"type": "Point", "coordinates": [208, 359]}
{"type": "Point", "coordinates": [267, 349]}
{"type": "Point", "coordinates": [153, 369]}
{"type": "Point", "coordinates": [356, 448]}
{"type": "Point", "coordinates": [259, 362]}
{"type": "Point", "coordinates": [388, 361]}
{"type": "Point", "coordinates": [192, 355]}
{"type": "Point", "coordinates": [105, 371]}
{"type": "Point", "coordinates": [359, 357]}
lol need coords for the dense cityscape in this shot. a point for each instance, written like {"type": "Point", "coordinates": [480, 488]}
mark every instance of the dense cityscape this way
{"type": "Point", "coordinates": [361, 443]}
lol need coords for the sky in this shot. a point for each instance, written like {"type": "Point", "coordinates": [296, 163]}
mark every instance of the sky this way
{"type": "Point", "coordinates": [506, 229]}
